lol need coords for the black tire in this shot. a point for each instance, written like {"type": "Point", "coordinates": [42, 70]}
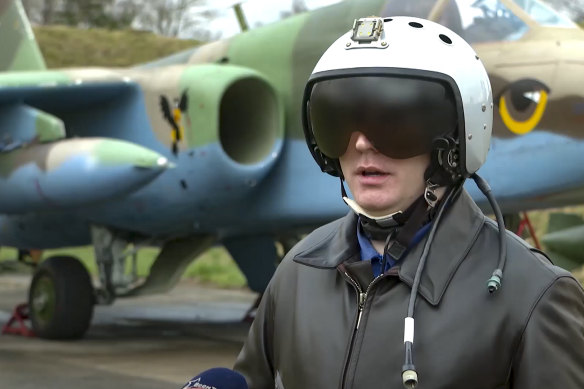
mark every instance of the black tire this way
{"type": "Point", "coordinates": [61, 299]}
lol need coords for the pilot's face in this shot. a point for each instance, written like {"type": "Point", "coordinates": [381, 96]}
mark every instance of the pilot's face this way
{"type": "Point", "coordinates": [380, 184]}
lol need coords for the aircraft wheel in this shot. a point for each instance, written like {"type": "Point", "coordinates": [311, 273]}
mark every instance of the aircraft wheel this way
{"type": "Point", "coordinates": [61, 299]}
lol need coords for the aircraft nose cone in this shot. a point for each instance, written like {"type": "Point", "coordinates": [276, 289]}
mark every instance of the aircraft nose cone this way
{"type": "Point", "coordinates": [567, 92]}
{"type": "Point", "coordinates": [114, 152]}
{"type": "Point", "coordinates": [74, 172]}
{"type": "Point", "coordinates": [164, 163]}
{"type": "Point", "coordinates": [573, 52]}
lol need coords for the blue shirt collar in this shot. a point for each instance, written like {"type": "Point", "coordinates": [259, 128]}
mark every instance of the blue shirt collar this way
{"type": "Point", "coordinates": [368, 252]}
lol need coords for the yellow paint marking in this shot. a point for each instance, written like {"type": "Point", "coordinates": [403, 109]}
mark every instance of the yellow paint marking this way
{"type": "Point", "coordinates": [178, 120]}
{"type": "Point", "coordinates": [523, 127]}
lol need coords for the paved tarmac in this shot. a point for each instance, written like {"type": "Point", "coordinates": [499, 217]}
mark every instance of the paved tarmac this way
{"type": "Point", "coordinates": [150, 342]}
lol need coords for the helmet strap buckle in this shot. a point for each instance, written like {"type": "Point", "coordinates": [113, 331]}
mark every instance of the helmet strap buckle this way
{"type": "Point", "coordinates": [430, 194]}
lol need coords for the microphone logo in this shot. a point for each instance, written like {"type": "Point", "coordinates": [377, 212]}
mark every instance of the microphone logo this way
{"type": "Point", "coordinates": [196, 384]}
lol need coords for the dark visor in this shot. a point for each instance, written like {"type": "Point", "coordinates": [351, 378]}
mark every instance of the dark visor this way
{"type": "Point", "coordinates": [400, 116]}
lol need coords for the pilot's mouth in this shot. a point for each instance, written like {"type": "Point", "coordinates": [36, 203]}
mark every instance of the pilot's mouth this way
{"type": "Point", "coordinates": [373, 173]}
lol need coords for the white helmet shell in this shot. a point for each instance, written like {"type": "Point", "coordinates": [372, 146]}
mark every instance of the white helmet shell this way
{"type": "Point", "coordinates": [408, 43]}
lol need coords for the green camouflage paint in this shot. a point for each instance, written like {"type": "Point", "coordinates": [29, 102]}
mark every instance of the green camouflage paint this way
{"type": "Point", "coordinates": [19, 48]}
{"type": "Point", "coordinates": [48, 127]}
{"type": "Point", "coordinates": [206, 86]}
{"type": "Point", "coordinates": [267, 49]}
{"type": "Point", "coordinates": [107, 152]}
{"type": "Point", "coordinates": [117, 152]}
{"type": "Point", "coordinates": [38, 78]}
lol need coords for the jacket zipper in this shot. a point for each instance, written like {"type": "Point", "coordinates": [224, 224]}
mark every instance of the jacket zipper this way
{"type": "Point", "coordinates": [362, 298]}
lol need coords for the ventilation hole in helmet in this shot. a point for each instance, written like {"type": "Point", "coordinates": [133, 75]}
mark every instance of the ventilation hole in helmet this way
{"type": "Point", "coordinates": [387, 19]}
{"type": "Point", "coordinates": [445, 39]}
{"type": "Point", "coordinates": [415, 24]}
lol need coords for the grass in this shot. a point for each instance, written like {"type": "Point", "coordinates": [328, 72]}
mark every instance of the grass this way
{"type": "Point", "coordinates": [64, 46]}
{"type": "Point", "coordinates": [214, 267]}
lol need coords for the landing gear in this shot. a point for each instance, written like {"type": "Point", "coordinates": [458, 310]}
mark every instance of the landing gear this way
{"type": "Point", "coordinates": [519, 223]}
{"type": "Point", "coordinates": [258, 257]}
{"type": "Point", "coordinates": [61, 299]}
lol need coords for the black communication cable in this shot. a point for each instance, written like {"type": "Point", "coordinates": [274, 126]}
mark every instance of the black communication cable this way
{"type": "Point", "coordinates": [409, 374]}
{"type": "Point", "coordinates": [494, 283]}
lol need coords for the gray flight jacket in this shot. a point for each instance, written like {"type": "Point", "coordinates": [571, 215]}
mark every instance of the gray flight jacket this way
{"type": "Point", "coordinates": [325, 323]}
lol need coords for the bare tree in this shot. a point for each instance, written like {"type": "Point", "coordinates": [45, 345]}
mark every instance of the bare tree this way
{"type": "Point", "coordinates": [40, 11]}
{"type": "Point", "coordinates": [166, 17]}
{"type": "Point", "coordinates": [126, 11]}
{"type": "Point", "coordinates": [48, 11]}
{"type": "Point", "coordinates": [196, 26]}
{"type": "Point", "coordinates": [84, 13]}
{"type": "Point", "coordinates": [298, 7]}
{"type": "Point", "coordinates": [33, 9]}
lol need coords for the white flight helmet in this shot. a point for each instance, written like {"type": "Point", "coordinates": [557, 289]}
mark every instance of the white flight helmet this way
{"type": "Point", "coordinates": [405, 82]}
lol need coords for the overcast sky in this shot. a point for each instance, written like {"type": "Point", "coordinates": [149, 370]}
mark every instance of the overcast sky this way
{"type": "Point", "coordinates": [268, 11]}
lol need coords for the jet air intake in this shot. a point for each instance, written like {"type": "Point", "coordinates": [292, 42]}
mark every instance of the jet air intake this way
{"type": "Point", "coordinates": [238, 108]}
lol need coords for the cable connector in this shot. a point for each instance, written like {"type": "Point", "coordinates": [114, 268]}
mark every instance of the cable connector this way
{"type": "Point", "coordinates": [494, 282]}
{"type": "Point", "coordinates": [410, 379]}
{"type": "Point", "coordinates": [409, 374]}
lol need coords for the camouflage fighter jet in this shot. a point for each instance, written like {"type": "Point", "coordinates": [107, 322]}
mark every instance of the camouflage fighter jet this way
{"type": "Point", "coordinates": [102, 157]}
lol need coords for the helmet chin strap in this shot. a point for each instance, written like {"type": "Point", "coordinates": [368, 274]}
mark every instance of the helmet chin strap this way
{"type": "Point", "coordinates": [387, 221]}
{"type": "Point", "coordinates": [410, 220]}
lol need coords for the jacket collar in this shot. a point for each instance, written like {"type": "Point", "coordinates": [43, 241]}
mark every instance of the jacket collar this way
{"type": "Point", "coordinates": [337, 245]}
{"type": "Point", "coordinates": [453, 240]}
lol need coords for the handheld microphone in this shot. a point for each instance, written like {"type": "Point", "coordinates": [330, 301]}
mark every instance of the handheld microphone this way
{"type": "Point", "coordinates": [217, 378]}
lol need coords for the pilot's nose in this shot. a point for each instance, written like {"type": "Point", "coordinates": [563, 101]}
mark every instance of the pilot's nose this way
{"type": "Point", "coordinates": [362, 143]}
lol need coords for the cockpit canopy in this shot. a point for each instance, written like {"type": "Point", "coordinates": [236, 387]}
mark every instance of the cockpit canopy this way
{"type": "Point", "coordinates": [484, 20]}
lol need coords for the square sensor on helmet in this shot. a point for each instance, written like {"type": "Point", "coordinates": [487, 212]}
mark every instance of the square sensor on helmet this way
{"type": "Point", "coordinates": [367, 29]}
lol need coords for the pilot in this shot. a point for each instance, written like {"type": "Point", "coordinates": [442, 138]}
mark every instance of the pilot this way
{"type": "Point", "coordinates": [414, 286]}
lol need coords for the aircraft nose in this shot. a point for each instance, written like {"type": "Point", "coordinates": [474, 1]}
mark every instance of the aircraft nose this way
{"type": "Point", "coordinates": [566, 106]}
{"type": "Point", "coordinates": [572, 58]}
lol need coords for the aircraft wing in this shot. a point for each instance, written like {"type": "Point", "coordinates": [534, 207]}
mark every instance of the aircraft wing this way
{"type": "Point", "coordinates": [42, 166]}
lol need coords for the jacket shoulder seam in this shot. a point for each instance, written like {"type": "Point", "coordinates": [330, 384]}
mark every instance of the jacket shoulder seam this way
{"type": "Point", "coordinates": [327, 237]}
{"type": "Point", "coordinates": [529, 316]}
{"type": "Point", "coordinates": [533, 252]}
{"type": "Point", "coordinates": [318, 243]}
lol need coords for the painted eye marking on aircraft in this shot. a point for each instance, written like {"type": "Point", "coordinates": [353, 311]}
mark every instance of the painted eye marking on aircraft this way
{"type": "Point", "coordinates": [522, 104]}
{"type": "Point", "coordinates": [174, 117]}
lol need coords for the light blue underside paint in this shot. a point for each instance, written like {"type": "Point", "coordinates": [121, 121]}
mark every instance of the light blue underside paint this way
{"type": "Point", "coordinates": [523, 170]}
{"type": "Point", "coordinates": [79, 181]}
{"type": "Point", "coordinates": [295, 194]}
{"type": "Point", "coordinates": [18, 125]}
{"type": "Point", "coordinates": [208, 192]}
{"type": "Point", "coordinates": [44, 231]}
